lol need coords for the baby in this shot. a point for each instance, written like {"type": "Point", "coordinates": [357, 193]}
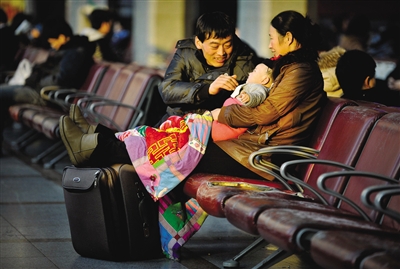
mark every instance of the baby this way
{"type": "Point", "coordinates": [251, 94]}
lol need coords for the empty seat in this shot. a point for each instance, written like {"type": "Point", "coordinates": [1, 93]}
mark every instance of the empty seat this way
{"type": "Point", "coordinates": [292, 229]}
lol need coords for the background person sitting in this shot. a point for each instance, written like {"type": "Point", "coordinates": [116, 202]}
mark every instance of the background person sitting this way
{"type": "Point", "coordinates": [67, 66]}
{"type": "Point", "coordinates": [356, 32]}
{"type": "Point", "coordinates": [9, 45]}
{"type": "Point", "coordinates": [327, 63]}
{"type": "Point", "coordinates": [355, 72]}
{"type": "Point", "coordinates": [100, 33]}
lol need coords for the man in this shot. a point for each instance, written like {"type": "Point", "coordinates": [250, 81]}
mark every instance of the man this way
{"type": "Point", "coordinates": [207, 67]}
{"type": "Point", "coordinates": [67, 66]}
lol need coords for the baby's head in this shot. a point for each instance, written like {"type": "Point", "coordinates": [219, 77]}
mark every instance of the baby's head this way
{"type": "Point", "coordinates": [261, 74]}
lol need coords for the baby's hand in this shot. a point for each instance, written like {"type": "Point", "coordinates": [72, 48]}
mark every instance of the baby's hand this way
{"type": "Point", "coordinates": [243, 97]}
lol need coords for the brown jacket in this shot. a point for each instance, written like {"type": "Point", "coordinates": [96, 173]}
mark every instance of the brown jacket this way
{"type": "Point", "coordinates": [285, 118]}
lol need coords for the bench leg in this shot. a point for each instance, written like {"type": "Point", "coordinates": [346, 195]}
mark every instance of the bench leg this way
{"type": "Point", "coordinates": [25, 139]}
{"type": "Point", "coordinates": [277, 256]}
{"type": "Point", "coordinates": [48, 151]}
{"type": "Point", "coordinates": [50, 164]}
{"type": "Point", "coordinates": [234, 263]}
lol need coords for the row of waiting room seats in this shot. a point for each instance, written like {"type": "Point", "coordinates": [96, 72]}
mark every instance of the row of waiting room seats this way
{"type": "Point", "coordinates": [355, 155]}
{"type": "Point", "coordinates": [350, 137]}
{"type": "Point", "coordinates": [116, 95]}
{"type": "Point", "coordinates": [35, 55]}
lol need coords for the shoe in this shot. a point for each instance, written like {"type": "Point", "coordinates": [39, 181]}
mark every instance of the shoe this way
{"type": "Point", "coordinates": [79, 145]}
{"type": "Point", "coordinates": [76, 116]}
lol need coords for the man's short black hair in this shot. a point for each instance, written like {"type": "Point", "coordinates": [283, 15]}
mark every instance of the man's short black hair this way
{"type": "Point", "coordinates": [353, 67]}
{"type": "Point", "coordinates": [54, 27]}
{"type": "Point", "coordinates": [214, 25]}
{"type": "Point", "coordinates": [98, 16]}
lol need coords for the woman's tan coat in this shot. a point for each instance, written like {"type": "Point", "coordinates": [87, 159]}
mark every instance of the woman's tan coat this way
{"type": "Point", "coordinates": [286, 117]}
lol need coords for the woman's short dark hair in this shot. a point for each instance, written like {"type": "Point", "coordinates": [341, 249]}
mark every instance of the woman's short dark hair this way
{"type": "Point", "coordinates": [302, 29]}
{"type": "Point", "coordinates": [214, 24]}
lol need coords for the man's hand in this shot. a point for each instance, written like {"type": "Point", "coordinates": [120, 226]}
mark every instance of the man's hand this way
{"type": "Point", "coordinates": [215, 113]}
{"type": "Point", "coordinates": [394, 84]}
{"type": "Point", "coordinates": [225, 82]}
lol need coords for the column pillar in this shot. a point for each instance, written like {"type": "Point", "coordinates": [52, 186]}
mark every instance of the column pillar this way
{"type": "Point", "coordinates": [254, 19]}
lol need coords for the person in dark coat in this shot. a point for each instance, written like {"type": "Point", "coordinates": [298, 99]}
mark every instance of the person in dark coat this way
{"type": "Point", "coordinates": [67, 66]}
{"type": "Point", "coordinates": [100, 34]}
{"type": "Point", "coordinates": [355, 72]}
{"type": "Point", "coordinates": [9, 44]}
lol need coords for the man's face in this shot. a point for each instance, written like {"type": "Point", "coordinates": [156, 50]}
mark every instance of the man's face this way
{"type": "Point", "coordinates": [216, 51]}
{"type": "Point", "coordinates": [56, 43]}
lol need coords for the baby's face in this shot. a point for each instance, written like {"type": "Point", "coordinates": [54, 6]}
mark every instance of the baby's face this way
{"type": "Point", "coordinates": [258, 75]}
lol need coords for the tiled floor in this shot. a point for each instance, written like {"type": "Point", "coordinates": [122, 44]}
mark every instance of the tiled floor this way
{"type": "Point", "coordinates": [35, 231]}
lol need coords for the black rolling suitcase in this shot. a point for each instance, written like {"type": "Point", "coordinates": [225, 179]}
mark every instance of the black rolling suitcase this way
{"type": "Point", "coordinates": [111, 215]}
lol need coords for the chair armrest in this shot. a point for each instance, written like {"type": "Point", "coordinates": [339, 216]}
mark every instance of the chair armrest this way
{"type": "Point", "coordinates": [321, 183]}
{"type": "Point", "coordinates": [48, 91]}
{"type": "Point", "coordinates": [285, 174]}
{"type": "Point", "coordinates": [289, 147]}
{"type": "Point", "coordinates": [62, 93]}
{"type": "Point", "coordinates": [382, 196]}
{"type": "Point", "coordinates": [256, 160]}
{"type": "Point", "coordinates": [85, 101]}
{"type": "Point", "coordinates": [384, 193]}
{"type": "Point", "coordinates": [69, 97]}
{"type": "Point", "coordinates": [56, 95]}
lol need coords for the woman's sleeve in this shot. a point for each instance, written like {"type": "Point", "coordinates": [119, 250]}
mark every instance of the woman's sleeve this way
{"type": "Point", "coordinates": [283, 98]}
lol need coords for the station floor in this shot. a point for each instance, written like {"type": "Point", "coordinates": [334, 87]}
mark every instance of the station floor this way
{"type": "Point", "coordinates": [35, 231]}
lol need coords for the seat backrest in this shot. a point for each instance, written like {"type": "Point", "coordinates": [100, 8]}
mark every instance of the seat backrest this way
{"type": "Point", "coordinates": [380, 155]}
{"type": "Point", "coordinates": [139, 93]}
{"type": "Point", "coordinates": [35, 55]}
{"type": "Point", "coordinates": [109, 78]}
{"type": "Point", "coordinates": [41, 56]}
{"type": "Point", "coordinates": [30, 54]}
{"type": "Point", "coordinates": [343, 144]}
{"type": "Point", "coordinates": [331, 109]}
{"type": "Point", "coordinates": [117, 91]}
{"type": "Point", "coordinates": [94, 77]}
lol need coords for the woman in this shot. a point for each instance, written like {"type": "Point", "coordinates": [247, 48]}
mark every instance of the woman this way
{"type": "Point", "coordinates": [285, 117]}
{"type": "Point", "coordinates": [294, 101]}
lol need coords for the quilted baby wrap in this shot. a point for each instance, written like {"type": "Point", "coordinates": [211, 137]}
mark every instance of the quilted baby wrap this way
{"type": "Point", "coordinates": [163, 157]}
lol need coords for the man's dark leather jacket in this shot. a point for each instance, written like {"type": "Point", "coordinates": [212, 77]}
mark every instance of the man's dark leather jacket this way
{"type": "Point", "coordinates": [188, 77]}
